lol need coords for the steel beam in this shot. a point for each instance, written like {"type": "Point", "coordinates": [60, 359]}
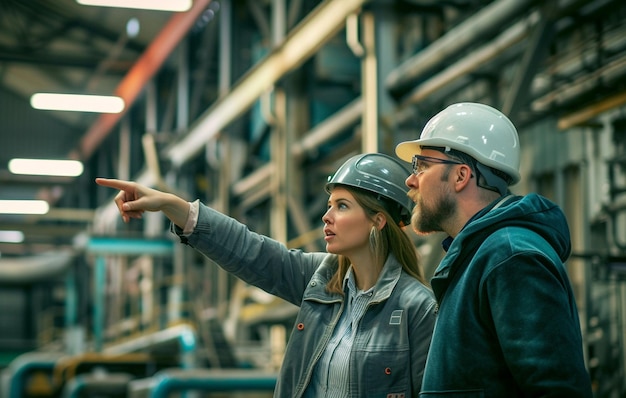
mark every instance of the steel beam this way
{"type": "Point", "coordinates": [306, 38]}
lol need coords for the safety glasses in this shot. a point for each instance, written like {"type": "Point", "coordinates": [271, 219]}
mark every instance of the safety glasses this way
{"type": "Point", "coordinates": [420, 163]}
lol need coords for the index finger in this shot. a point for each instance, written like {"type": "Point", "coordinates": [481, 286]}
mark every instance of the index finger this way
{"type": "Point", "coordinates": [113, 183]}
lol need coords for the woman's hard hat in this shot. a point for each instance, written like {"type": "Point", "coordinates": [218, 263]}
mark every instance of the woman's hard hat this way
{"type": "Point", "coordinates": [380, 174]}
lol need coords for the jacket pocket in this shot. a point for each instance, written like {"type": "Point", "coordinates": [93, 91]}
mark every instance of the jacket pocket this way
{"type": "Point", "coordinates": [386, 373]}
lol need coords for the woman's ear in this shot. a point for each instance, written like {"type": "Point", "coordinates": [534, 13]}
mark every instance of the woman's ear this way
{"type": "Point", "coordinates": [380, 221]}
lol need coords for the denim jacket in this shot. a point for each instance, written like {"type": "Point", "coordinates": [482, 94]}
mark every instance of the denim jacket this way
{"type": "Point", "coordinates": [393, 338]}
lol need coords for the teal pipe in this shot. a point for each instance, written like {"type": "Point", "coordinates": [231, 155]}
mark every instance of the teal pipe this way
{"type": "Point", "coordinates": [188, 344]}
{"type": "Point", "coordinates": [87, 385]}
{"type": "Point", "coordinates": [171, 380]}
{"type": "Point", "coordinates": [129, 246]}
{"type": "Point", "coordinates": [103, 246]}
{"type": "Point", "coordinates": [70, 299]}
{"type": "Point", "coordinates": [99, 302]}
{"type": "Point", "coordinates": [23, 366]}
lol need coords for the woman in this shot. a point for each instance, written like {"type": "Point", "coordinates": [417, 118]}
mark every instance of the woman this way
{"type": "Point", "coordinates": [366, 316]}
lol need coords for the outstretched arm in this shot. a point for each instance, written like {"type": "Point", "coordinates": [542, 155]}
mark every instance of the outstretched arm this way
{"type": "Point", "coordinates": [133, 199]}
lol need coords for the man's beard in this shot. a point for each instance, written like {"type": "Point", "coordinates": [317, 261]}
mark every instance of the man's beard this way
{"type": "Point", "coordinates": [431, 219]}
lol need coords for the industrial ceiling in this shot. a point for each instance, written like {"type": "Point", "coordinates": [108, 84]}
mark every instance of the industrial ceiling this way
{"type": "Point", "coordinates": [66, 47]}
{"type": "Point", "coordinates": [563, 59]}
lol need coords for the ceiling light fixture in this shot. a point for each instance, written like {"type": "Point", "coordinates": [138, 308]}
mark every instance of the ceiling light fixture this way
{"type": "Point", "coordinates": [77, 102]}
{"type": "Point", "coordinates": [11, 236]}
{"type": "Point", "coordinates": [46, 167]}
{"type": "Point", "coordinates": [24, 207]}
{"type": "Point", "coordinates": [159, 5]}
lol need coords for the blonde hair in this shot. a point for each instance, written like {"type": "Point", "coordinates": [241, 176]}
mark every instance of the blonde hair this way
{"type": "Point", "coordinates": [391, 239]}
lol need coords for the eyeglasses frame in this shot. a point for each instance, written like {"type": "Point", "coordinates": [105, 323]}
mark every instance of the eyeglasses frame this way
{"type": "Point", "coordinates": [429, 159]}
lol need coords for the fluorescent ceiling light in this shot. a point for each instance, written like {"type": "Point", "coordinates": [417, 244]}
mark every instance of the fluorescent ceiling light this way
{"type": "Point", "coordinates": [161, 5]}
{"type": "Point", "coordinates": [46, 167]}
{"type": "Point", "coordinates": [11, 236]}
{"type": "Point", "coordinates": [77, 103]}
{"type": "Point", "coordinates": [24, 207]}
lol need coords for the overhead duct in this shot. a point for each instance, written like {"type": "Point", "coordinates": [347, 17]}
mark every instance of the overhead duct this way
{"type": "Point", "coordinates": [37, 268]}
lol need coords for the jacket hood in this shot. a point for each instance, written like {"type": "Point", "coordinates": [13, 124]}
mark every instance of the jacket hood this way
{"type": "Point", "coordinates": [532, 211]}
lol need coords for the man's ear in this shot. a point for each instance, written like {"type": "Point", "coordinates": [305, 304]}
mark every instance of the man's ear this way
{"type": "Point", "coordinates": [463, 176]}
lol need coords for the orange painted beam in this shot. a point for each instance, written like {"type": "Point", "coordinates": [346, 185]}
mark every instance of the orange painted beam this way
{"type": "Point", "coordinates": [140, 73]}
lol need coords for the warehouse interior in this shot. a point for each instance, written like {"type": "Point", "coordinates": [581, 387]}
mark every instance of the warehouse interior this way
{"type": "Point", "coordinates": [249, 105]}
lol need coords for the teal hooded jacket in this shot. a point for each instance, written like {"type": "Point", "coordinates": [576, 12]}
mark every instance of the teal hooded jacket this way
{"type": "Point", "coordinates": [508, 323]}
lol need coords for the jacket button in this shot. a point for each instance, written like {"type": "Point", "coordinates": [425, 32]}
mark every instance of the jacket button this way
{"type": "Point", "coordinates": [387, 371]}
{"type": "Point", "coordinates": [313, 283]}
{"type": "Point", "coordinates": [300, 326]}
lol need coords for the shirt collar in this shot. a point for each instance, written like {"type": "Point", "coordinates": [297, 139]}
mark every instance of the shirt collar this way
{"type": "Point", "coordinates": [350, 283]}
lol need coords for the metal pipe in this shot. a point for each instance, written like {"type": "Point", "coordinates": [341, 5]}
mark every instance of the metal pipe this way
{"type": "Point", "coordinates": [99, 302]}
{"type": "Point", "coordinates": [213, 380]}
{"type": "Point", "coordinates": [608, 73]}
{"type": "Point", "coordinates": [184, 335]}
{"type": "Point", "coordinates": [22, 367]}
{"type": "Point", "coordinates": [71, 299]}
{"type": "Point", "coordinates": [352, 35]}
{"type": "Point", "coordinates": [508, 38]}
{"type": "Point", "coordinates": [182, 88]}
{"type": "Point", "coordinates": [582, 115]}
{"type": "Point", "coordinates": [306, 38]}
{"type": "Point", "coordinates": [279, 21]}
{"type": "Point", "coordinates": [103, 246]}
{"type": "Point", "coordinates": [107, 384]}
{"type": "Point", "coordinates": [455, 40]}
{"type": "Point", "coordinates": [225, 48]}
{"type": "Point", "coordinates": [36, 268]}
{"type": "Point", "coordinates": [260, 176]}
{"type": "Point", "coordinates": [123, 159]}
{"type": "Point", "coordinates": [369, 82]}
{"type": "Point", "coordinates": [347, 116]}
{"type": "Point", "coordinates": [323, 132]}
{"type": "Point", "coordinates": [279, 144]}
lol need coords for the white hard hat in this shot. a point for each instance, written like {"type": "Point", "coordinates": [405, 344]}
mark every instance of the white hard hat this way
{"type": "Point", "coordinates": [478, 130]}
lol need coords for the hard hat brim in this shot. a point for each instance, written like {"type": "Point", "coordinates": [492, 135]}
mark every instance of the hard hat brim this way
{"type": "Point", "coordinates": [405, 150]}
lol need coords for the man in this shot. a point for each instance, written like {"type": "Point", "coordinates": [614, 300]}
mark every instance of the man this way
{"type": "Point", "coordinates": [508, 323]}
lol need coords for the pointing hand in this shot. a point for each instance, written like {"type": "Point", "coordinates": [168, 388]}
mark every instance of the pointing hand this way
{"type": "Point", "coordinates": [133, 199]}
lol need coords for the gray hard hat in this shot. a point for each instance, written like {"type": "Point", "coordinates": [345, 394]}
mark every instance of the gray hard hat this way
{"type": "Point", "coordinates": [380, 174]}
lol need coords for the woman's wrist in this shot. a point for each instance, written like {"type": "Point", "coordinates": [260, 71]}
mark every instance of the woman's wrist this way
{"type": "Point", "coordinates": [176, 209]}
